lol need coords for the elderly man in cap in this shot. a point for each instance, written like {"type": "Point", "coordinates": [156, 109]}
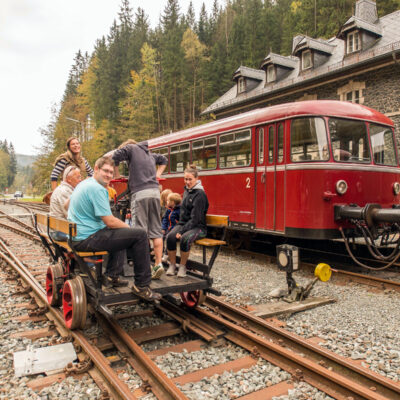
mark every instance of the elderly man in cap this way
{"type": "Point", "coordinates": [59, 200]}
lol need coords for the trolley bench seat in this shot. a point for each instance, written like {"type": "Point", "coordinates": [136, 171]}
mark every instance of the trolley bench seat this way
{"type": "Point", "coordinates": [62, 225]}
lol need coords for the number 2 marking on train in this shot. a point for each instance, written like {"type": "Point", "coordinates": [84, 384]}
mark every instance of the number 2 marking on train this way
{"type": "Point", "coordinates": [247, 183]}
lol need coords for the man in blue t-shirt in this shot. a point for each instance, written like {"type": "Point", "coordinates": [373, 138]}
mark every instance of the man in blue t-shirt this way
{"type": "Point", "coordinates": [99, 230]}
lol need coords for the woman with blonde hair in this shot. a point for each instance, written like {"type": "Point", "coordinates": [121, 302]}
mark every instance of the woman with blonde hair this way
{"type": "Point", "coordinates": [71, 157]}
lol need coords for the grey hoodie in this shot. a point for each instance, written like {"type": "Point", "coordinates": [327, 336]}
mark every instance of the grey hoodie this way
{"type": "Point", "coordinates": [142, 165]}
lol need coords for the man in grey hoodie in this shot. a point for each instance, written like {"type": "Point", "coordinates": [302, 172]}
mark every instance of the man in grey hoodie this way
{"type": "Point", "coordinates": [145, 168]}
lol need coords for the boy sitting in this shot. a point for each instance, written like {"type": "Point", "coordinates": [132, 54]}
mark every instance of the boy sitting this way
{"type": "Point", "coordinates": [169, 220]}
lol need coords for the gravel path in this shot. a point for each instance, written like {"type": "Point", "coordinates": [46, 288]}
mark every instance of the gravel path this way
{"type": "Point", "coordinates": [362, 324]}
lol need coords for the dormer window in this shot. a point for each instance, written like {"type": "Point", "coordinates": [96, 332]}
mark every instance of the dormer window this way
{"type": "Point", "coordinates": [271, 73]}
{"type": "Point", "coordinates": [241, 85]}
{"type": "Point", "coordinates": [306, 59]}
{"type": "Point", "coordinates": [353, 42]}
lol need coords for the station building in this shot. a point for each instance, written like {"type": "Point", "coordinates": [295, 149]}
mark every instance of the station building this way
{"type": "Point", "coordinates": [361, 64]}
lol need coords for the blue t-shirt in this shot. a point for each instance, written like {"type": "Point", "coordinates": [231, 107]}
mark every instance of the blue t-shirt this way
{"type": "Point", "coordinates": [89, 202]}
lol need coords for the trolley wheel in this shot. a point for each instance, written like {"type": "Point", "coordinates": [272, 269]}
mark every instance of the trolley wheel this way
{"type": "Point", "coordinates": [194, 298]}
{"type": "Point", "coordinates": [53, 291]}
{"type": "Point", "coordinates": [74, 303]}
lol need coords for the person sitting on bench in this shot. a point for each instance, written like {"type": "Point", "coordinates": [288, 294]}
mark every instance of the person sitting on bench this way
{"type": "Point", "coordinates": [59, 200]}
{"type": "Point", "coordinates": [99, 230]}
{"type": "Point", "coordinates": [192, 221]}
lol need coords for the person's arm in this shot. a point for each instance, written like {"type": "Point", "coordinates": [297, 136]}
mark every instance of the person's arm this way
{"type": "Point", "coordinates": [113, 222]}
{"type": "Point", "coordinates": [116, 173]}
{"type": "Point", "coordinates": [160, 170]}
{"type": "Point", "coordinates": [57, 170]}
{"type": "Point", "coordinates": [196, 215]}
{"type": "Point", "coordinates": [66, 204]}
{"type": "Point", "coordinates": [89, 169]}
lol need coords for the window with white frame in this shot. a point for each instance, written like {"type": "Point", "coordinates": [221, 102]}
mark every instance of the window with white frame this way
{"type": "Point", "coordinates": [353, 92]}
{"type": "Point", "coordinates": [241, 85]}
{"type": "Point", "coordinates": [271, 75]}
{"type": "Point", "coordinates": [353, 42]}
{"type": "Point", "coordinates": [306, 59]}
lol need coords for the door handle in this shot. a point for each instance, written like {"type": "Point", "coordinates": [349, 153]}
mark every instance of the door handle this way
{"type": "Point", "coordinates": [263, 177]}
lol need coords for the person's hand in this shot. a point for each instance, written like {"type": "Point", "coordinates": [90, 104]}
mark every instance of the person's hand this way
{"type": "Point", "coordinates": [178, 235]}
{"type": "Point", "coordinates": [163, 231]}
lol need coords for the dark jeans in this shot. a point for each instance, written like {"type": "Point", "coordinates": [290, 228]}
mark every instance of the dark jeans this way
{"type": "Point", "coordinates": [186, 240]}
{"type": "Point", "coordinates": [116, 242]}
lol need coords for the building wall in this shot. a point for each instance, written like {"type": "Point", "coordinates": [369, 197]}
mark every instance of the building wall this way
{"type": "Point", "coordinates": [382, 92]}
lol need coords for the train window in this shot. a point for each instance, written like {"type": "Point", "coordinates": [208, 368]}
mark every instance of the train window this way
{"type": "Point", "coordinates": [164, 152]}
{"type": "Point", "coordinates": [235, 149]}
{"type": "Point", "coordinates": [308, 141]}
{"type": "Point", "coordinates": [260, 145]}
{"type": "Point", "coordinates": [349, 140]}
{"type": "Point", "coordinates": [382, 145]}
{"type": "Point", "coordinates": [271, 144]}
{"type": "Point", "coordinates": [280, 143]}
{"type": "Point", "coordinates": [179, 157]}
{"type": "Point", "coordinates": [204, 153]}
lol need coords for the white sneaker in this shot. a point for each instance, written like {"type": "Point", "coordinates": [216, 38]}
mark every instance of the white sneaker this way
{"type": "Point", "coordinates": [181, 271]}
{"type": "Point", "coordinates": [164, 258]}
{"type": "Point", "coordinates": [171, 269]}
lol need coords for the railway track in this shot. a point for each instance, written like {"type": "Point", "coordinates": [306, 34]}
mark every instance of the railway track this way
{"type": "Point", "coordinates": [214, 322]}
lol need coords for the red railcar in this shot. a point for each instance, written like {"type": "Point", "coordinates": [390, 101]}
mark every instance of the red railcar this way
{"type": "Point", "coordinates": [281, 170]}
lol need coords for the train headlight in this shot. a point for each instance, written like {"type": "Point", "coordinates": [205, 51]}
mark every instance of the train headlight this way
{"type": "Point", "coordinates": [341, 187]}
{"type": "Point", "coordinates": [396, 188]}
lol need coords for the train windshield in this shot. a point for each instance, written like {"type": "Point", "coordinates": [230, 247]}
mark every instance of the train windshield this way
{"type": "Point", "coordinates": [308, 140]}
{"type": "Point", "coordinates": [349, 140]}
{"type": "Point", "coordinates": [382, 145]}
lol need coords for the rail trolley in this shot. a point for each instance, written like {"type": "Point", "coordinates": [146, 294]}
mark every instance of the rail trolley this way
{"type": "Point", "coordinates": [74, 279]}
{"type": "Point", "coordinates": [306, 170]}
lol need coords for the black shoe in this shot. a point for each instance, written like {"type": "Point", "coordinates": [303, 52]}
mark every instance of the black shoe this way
{"type": "Point", "coordinates": [114, 281]}
{"type": "Point", "coordinates": [146, 293]}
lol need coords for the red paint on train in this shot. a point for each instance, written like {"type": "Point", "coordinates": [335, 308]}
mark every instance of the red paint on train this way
{"type": "Point", "coordinates": [289, 187]}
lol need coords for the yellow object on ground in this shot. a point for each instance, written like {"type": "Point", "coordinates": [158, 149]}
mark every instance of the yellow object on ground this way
{"type": "Point", "coordinates": [323, 272]}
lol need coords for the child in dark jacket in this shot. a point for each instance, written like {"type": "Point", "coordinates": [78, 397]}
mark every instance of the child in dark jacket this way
{"type": "Point", "coordinates": [171, 216]}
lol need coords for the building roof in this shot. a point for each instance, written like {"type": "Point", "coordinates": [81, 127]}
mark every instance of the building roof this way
{"type": "Point", "coordinates": [283, 61]}
{"type": "Point", "coordinates": [355, 22]}
{"type": "Point", "coordinates": [338, 61]}
{"type": "Point", "coordinates": [247, 72]}
{"type": "Point", "coordinates": [314, 44]}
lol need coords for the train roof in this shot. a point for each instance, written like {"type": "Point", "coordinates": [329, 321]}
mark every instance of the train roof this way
{"type": "Point", "coordinates": [260, 116]}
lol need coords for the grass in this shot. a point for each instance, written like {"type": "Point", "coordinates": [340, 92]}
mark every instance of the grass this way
{"type": "Point", "coordinates": [34, 199]}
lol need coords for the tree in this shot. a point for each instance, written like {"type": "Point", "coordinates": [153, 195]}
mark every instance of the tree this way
{"type": "Point", "coordinates": [194, 54]}
{"type": "Point", "coordinates": [139, 105]}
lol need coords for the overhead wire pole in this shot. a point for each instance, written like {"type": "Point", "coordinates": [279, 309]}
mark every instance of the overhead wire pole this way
{"type": "Point", "coordinates": [82, 138]}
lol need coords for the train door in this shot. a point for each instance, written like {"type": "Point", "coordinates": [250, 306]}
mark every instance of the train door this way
{"type": "Point", "coordinates": [274, 178]}
{"type": "Point", "coordinates": [261, 178]}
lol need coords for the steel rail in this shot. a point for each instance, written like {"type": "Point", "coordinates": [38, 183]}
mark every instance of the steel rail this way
{"type": "Point", "coordinates": [17, 221]}
{"type": "Point", "coordinates": [20, 232]}
{"type": "Point", "coordinates": [164, 388]}
{"type": "Point", "coordinates": [323, 369]}
{"type": "Point", "coordinates": [120, 389]}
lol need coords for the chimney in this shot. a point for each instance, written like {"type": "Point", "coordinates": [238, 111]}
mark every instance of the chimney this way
{"type": "Point", "coordinates": [366, 10]}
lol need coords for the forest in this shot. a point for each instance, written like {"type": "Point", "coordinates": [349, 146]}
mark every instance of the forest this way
{"type": "Point", "coordinates": [142, 82]}
{"type": "Point", "coordinates": [8, 165]}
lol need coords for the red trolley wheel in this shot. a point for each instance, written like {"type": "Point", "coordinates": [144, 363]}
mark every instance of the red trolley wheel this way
{"type": "Point", "coordinates": [54, 284]}
{"type": "Point", "coordinates": [194, 298]}
{"type": "Point", "coordinates": [74, 303]}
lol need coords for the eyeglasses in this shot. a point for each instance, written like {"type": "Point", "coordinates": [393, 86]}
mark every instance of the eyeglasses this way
{"type": "Point", "coordinates": [108, 171]}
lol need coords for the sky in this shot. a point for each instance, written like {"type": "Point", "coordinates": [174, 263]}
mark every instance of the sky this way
{"type": "Point", "coordinates": [38, 42]}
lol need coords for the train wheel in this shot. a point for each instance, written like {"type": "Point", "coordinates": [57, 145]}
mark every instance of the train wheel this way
{"type": "Point", "coordinates": [74, 303]}
{"type": "Point", "coordinates": [53, 292]}
{"type": "Point", "coordinates": [194, 298]}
